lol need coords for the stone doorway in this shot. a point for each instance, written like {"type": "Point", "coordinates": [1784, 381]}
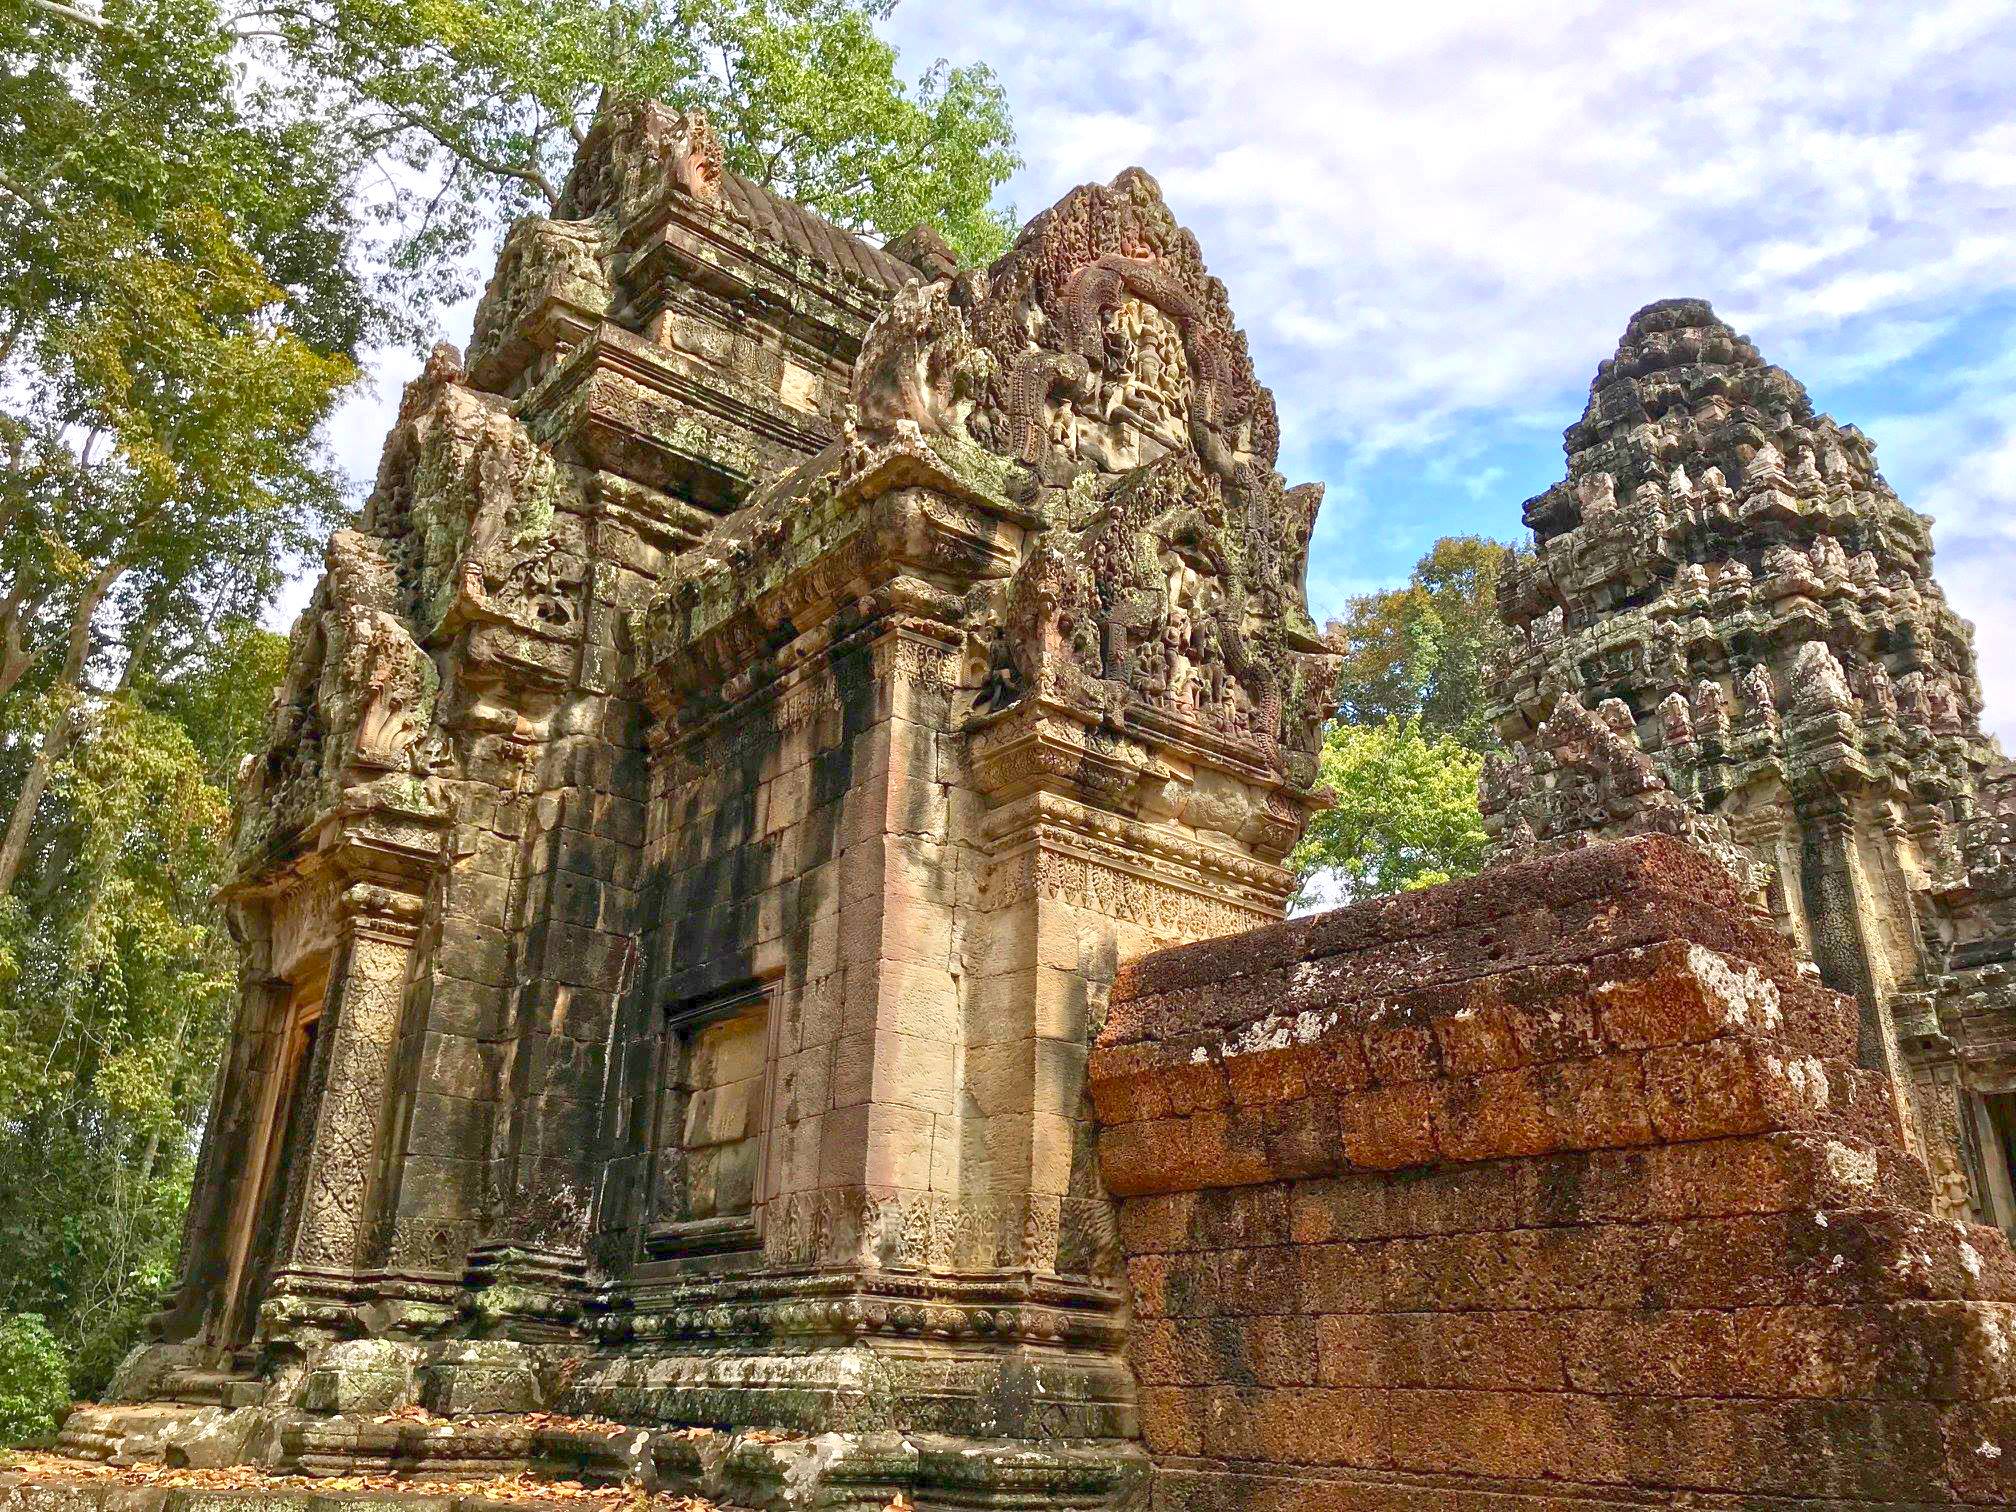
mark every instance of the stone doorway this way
{"type": "Point", "coordinates": [1996, 1126]}
{"type": "Point", "coordinates": [257, 1219]}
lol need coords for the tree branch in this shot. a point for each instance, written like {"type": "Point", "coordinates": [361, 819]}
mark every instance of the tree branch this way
{"type": "Point", "coordinates": [21, 193]}
{"type": "Point", "coordinates": [468, 154]}
{"type": "Point", "coordinates": [15, 658]}
{"type": "Point", "coordinates": [58, 734]}
{"type": "Point", "coordinates": [71, 13]}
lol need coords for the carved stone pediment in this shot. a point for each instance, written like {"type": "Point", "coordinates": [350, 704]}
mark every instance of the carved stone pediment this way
{"type": "Point", "coordinates": [635, 153]}
{"type": "Point", "coordinates": [1093, 381]}
{"type": "Point", "coordinates": [482, 523]}
{"type": "Point", "coordinates": [551, 286]}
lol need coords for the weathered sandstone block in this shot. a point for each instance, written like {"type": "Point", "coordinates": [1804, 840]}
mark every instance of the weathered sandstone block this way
{"type": "Point", "coordinates": [1427, 1204]}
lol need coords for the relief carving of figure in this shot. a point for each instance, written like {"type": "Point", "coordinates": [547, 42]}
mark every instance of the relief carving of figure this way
{"type": "Point", "coordinates": [1912, 705]}
{"type": "Point", "coordinates": [1790, 571]}
{"type": "Point", "coordinates": [378, 691]}
{"type": "Point", "coordinates": [1676, 720]}
{"type": "Point", "coordinates": [1830, 562]}
{"type": "Point", "coordinates": [1942, 703]}
{"type": "Point", "coordinates": [1818, 683]}
{"type": "Point", "coordinates": [1876, 689]}
{"type": "Point", "coordinates": [919, 365]}
{"type": "Point", "coordinates": [1597, 494]}
{"type": "Point", "coordinates": [1711, 710]}
{"type": "Point", "coordinates": [1757, 694]}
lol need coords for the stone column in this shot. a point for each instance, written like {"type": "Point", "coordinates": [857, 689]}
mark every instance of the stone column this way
{"type": "Point", "coordinates": [1828, 879]}
{"type": "Point", "coordinates": [332, 1226]}
{"type": "Point", "coordinates": [1082, 873]}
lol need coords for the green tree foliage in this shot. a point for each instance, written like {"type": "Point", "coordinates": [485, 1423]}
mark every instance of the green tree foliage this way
{"type": "Point", "coordinates": [1420, 651]}
{"type": "Point", "coordinates": [1406, 813]}
{"type": "Point", "coordinates": [34, 1393]}
{"type": "Point", "coordinates": [179, 313]}
{"type": "Point", "coordinates": [1406, 749]}
{"type": "Point", "coordinates": [476, 106]}
{"type": "Point", "coordinates": [177, 319]}
{"type": "Point", "coordinates": [117, 983]}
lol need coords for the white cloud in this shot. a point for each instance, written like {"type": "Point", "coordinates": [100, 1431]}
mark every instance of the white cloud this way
{"type": "Point", "coordinates": [1435, 218]}
{"type": "Point", "coordinates": [1426, 210]}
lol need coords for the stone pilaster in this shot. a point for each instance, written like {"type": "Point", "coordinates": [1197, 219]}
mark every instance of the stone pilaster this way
{"type": "Point", "coordinates": [334, 1236]}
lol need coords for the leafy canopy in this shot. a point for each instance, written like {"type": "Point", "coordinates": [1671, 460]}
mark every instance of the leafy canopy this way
{"type": "Point", "coordinates": [476, 107]}
{"type": "Point", "coordinates": [177, 318]}
{"type": "Point", "coordinates": [179, 313]}
{"type": "Point", "coordinates": [117, 986]}
{"type": "Point", "coordinates": [1406, 750]}
{"type": "Point", "coordinates": [34, 1393]}
{"type": "Point", "coordinates": [1419, 651]}
{"type": "Point", "coordinates": [1406, 813]}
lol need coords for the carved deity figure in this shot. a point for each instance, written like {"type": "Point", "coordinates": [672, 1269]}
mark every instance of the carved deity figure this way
{"type": "Point", "coordinates": [1676, 720]}
{"type": "Point", "coordinates": [1877, 692]}
{"type": "Point", "coordinates": [1757, 694]}
{"type": "Point", "coordinates": [1790, 571]}
{"type": "Point", "coordinates": [1830, 562]}
{"type": "Point", "coordinates": [1818, 683]}
{"type": "Point", "coordinates": [1711, 710]}
{"type": "Point", "coordinates": [1617, 718]}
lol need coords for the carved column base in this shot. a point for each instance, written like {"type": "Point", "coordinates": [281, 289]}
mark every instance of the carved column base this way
{"type": "Point", "coordinates": [471, 1376]}
{"type": "Point", "coordinates": [524, 1292]}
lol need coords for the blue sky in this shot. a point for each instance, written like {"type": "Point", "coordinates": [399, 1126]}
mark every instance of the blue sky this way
{"type": "Point", "coordinates": [1434, 220]}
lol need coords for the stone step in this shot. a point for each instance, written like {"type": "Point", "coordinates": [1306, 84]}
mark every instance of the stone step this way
{"type": "Point", "coordinates": [212, 1388]}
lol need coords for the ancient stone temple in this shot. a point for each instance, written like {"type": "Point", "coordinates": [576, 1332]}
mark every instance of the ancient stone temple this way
{"type": "Point", "coordinates": [774, 682]}
{"type": "Point", "coordinates": [1729, 628]}
{"type": "Point", "coordinates": [763, 972]}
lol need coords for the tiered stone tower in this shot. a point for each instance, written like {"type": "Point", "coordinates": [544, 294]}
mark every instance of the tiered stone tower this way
{"type": "Point", "coordinates": [1729, 628]}
{"type": "Point", "coordinates": [773, 683]}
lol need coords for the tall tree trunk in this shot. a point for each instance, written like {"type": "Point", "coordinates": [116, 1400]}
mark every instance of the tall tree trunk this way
{"type": "Point", "coordinates": [58, 734]}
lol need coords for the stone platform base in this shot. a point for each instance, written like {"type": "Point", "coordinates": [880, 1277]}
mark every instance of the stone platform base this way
{"type": "Point", "coordinates": [832, 1472]}
{"type": "Point", "coordinates": [41, 1483]}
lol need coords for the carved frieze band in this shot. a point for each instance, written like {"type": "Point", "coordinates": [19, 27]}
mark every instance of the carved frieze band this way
{"type": "Point", "coordinates": [941, 1232]}
{"type": "Point", "coordinates": [1164, 908]}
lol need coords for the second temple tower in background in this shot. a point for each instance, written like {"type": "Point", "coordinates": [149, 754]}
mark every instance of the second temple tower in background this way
{"type": "Point", "coordinates": [1729, 628]}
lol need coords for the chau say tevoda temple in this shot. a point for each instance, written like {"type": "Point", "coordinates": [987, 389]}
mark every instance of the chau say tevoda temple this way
{"type": "Point", "coordinates": [763, 972]}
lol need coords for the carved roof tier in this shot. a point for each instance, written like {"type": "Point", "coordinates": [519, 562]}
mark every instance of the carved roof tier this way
{"type": "Point", "coordinates": [636, 153]}
{"type": "Point", "coordinates": [1094, 463]}
{"type": "Point", "coordinates": [1723, 576]}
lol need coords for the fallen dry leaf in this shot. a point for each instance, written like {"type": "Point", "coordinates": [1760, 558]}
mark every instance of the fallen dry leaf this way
{"type": "Point", "coordinates": [521, 1488]}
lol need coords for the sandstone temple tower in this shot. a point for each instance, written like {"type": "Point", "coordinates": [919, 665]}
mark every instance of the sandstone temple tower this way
{"type": "Point", "coordinates": [1729, 628]}
{"type": "Point", "coordinates": [774, 682]}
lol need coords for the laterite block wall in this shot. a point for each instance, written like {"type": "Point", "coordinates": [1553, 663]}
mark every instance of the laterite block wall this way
{"type": "Point", "coordinates": [1558, 1186]}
